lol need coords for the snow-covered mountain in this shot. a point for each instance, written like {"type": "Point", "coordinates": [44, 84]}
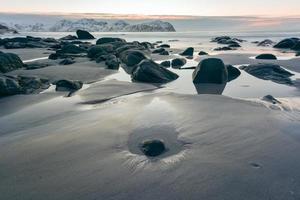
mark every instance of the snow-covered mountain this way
{"type": "Point", "coordinates": [93, 25]}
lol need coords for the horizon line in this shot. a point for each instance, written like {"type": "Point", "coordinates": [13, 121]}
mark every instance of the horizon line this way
{"type": "Point", "coordinates": [134, 15]}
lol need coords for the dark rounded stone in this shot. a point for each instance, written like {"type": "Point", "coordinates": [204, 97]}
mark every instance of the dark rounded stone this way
{"type": "Point", "coordinates": [69, 37]}
{"type": "Point", "coordinates": [66, 85]}
{"type": "Point", "coordinates": [71, 49]}
{"type": "Point", "coordinates": [164, 53]}
{"type": "Point", "coordinates": [105, 40]}
{"type": "Point", "coordinates": [188, 52]}
{"type": "Point", "coordinates": [148, 71]}
{"type": "Point", "coordinates": [166, 63]}
{"type": "Point", "coordinates": [287, 43]}
{"type": "Point", "coordinates": [210, 70]}
{"type": "Point", "coordinates": [233, 72]}
{"type": "Point", "coordinates": [132, 57]}
{"type": "Point", "coordinates": [202, 53]}
{"type": "Point", "coordinates": [84, 35]}
{"type": "Point", "coordinates": [266, 57]}
{"type": "Point", "coordinates": [153, 148]}
{"type": "Point", "coordinates": [178, 62]}
{"type": "Point", "coordinates": [10, 62]}
{"type": "Point", "coordinates": [158, 51]}
{"type": "Point", "coordinates": [164, 46]}
{"type": "Point", "coordinates": [67, 61]}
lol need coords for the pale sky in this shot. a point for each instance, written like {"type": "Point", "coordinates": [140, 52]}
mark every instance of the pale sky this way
{"type": "Point", "coordinates": [158, 7]}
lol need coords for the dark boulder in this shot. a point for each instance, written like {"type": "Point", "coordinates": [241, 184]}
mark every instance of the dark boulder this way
{"type": "Point", "coordinates": [178, 63]}
{"type": "Point", "coordinates": [271, 99]}
{"type": "Point", "coordinates": [67, 61]}
{"type": "Point", "coordinates": [71, 49]}
{"type": "Point", "coordinates": [153, 148]}
{"type": "Point", "coordinates": [210, 70]}
{"type": "Point", "coordinates": [99, 50]}
{"type": "Point", "coordinates": [270, 72]}
{"type": "Point", "coordinates": [112, 62]}
{"type": "Point", "coordinates": [233, 72]}
{"type": "Point", "coordinates": [9, 62]}
{"type": "Point", "coordinates": [133, 57]}
{"type": "Point", "coordinates": [106, 40]}
{"type": "Point", "coordinates": [150, 72]}
{"type": "Point", "coordinates": [166, 63]}
{"type": "Point", "coordinates": [266, 57]}
{"type": "Point", "coordinates": [164, 53]}
{"type": "Point", "coordinates": [9, 86]}
{"type": "Point", "coordinates": [223, 49]}
{"type": "Point", "coordinates": [67, 85]}
{"type": "Point", "coordinates": [296, 47]}
{"type": "Point", "coordinates": [265, 43]}
{"type": "Point", "coordinates": [188, 52]}
{"type": "Point", "coordinates": [158, 51]}
{"type": "Point", "coordinates": [69, 37]}
{"type": "Point", "coordinates": [234, 45]}
{"type": "Point", "coordinates": [202, 53]}
{"type": "Point", "coordinates": [84, 35]}
{"type": "Point", "coordinates": [164, 46]}
{"type": "Point", "coordinates": [287, 43]}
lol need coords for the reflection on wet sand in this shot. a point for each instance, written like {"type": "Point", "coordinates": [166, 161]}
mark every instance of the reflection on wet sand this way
{"type": "Point", "coordinates": [206, 88]}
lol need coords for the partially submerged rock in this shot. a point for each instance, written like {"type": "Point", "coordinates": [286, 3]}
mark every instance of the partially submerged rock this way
{"type": "Point", "coordinates": [106, 40]}
{"type": "Point", "coordinates": [265, 43]}
{"type": "Point", "coordinates": [67, 85]}
{"type": "Point", "coordinates": [67, 61]}
{"type": "Point", "coordinates": [266, 56]}
{"type": "Point", "coordinates": [158, 51]}
{"type": "Point", "coordinates": [233, 72]}
{"type": "Point", "coordinates": [69, 37]}
{"type": "Point", "coordinates": [287, 43]}
{"type": "Point", "coordinates": [71, 49]}
{"type": "Point", "coordinates": [9, 62]}
{"type": "Point", "coordinates": [188, 52]}
{"type": "Point", "coordinates": [133, 57]}
{"type": "Point", "coordinates": [202, 53]}
{"type": "Point", "coordinates": [84, 35]}
{"type": "Point", "coordinates": [270, 72]}
{"type": "Point", "coordinates": [99, 50]}
{"type": "Point", "coordinates": [227, 48]}
{"type": "Point", "coordinates": [166, 63]}
{"type": "Point", "coordinates": [271, 99]}
{"type": "Point", "coordinates": [210, 70]}
{"type": "Point", "coordinates": [178, 63]}
{"type": "Point", "coordinates": [150, 72]}
{"type": "Point", "coordinates": [13, 85]}
{"type": "Point", "coordinates": [112, 62]}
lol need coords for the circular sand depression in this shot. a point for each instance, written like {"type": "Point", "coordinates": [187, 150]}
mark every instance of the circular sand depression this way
{"type": "Point", "coordinates": [162, 139]}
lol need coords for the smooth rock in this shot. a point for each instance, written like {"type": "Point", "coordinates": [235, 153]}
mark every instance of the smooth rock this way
{"type": "Point", "coordinates": [133, 57]}
{"type": "Point", "coordinates": [266, 57]}
{"type": "Point", "coordinates": [188, 52]}
{"type": "Point", "coordinates": [106, 40]}
{"type": "Point", "coordinates": [210, 70]}
{"type": "Point", "coordinates": [9, 62]}
{"type": "Point", "coordinates": [150, 72]}
{"type": "Point", "coordinates": [270, 72]}
{"type": "Point", "coordinates": [166, 63]}
{"type": "Point", "coordinates": [67, 85]}
{"type": "Point", "coordinates": [178, 63]}
{"type": "Point", "coordinates": [84, 35]}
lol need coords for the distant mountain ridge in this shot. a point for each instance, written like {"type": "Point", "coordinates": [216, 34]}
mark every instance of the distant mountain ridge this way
{"type": "Point", "coordinates": [93, 25]}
